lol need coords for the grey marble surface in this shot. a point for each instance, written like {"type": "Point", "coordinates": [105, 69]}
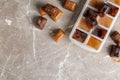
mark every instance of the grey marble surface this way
{"type": "Point", "coordinates": [27, 53]}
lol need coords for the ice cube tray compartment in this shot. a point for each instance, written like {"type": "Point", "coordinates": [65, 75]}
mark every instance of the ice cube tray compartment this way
{"type": "Point", "coordinates": [117, 2]}
{"type": "Point", "coordinates": [96, 3]}
{"type": "Point", "coordinates": [83, 25]}
{"type": "Point", "coordinates": [105, 21]}
{"type": "Point", "coordinates": [94, 43]}
{"type": "Point", "coordinates": [92, 40]}
{"type": "Point", "coordinates": [80, 36]}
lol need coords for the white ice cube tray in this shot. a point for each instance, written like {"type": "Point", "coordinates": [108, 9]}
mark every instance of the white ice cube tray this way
{"type": "Point", "coordinates": [86, 44]}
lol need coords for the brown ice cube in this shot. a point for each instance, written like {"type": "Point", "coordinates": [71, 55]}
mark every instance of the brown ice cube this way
{"type": "Point", "coordinates": [116, 37]}
{"type": "Point", "coordinates": [91, 17]}
{"type": "Point", "coordinates": [99, 32]}
{"type": "Point", "coordinates": [40, 23]}
{"type": "Point", "coordinates": [102, 11]}
{"type": "Point", "coordinates": [94, 43]}
{"type": "Point", "coordinates": [115, 51]}
{"type": "Point", "coordinates": [70, 5]}
{"type": "Point", "coordinates": [105, 21]}
{"type": "Point", "coordinates": [59, 35]}
{"type": "Point", "coordinates": [115, 1]}
{"type": "Point", "coordinates": [79, 36]}
{"type": "Point", "coordinates": [50, 9]}
{"type": "Point", "coordinates": [53, 11]}
{"type": "Point", "coordinates": [57, 15]}
{"type": "Point", "coordinates": [92, 21]}
{"type": "Point", "coordinates": [83, 24]}
{"type": "Point", "coordinates": [113, 10]}
{"type": "Point", "coordinates": [42, 12]}
{"type": "Point", "coordinates": [96, 3]}
{"type": "Point", "coordinates": [89, 12]}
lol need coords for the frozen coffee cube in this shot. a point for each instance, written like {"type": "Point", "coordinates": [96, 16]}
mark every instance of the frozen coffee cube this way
{"type": "Point", "coordinates": [115, 51]}
{"type": "Point", "coordinates": [96, 3]}
{"type": "Point", "coordinates": [102, 11]}
{"type": "Point", "coordinates": [50, 9]}
{"type": "Point", "coordinates": [113, 10]}
{"type": "Point", "coordinates": [42, 12]}
{"type": "Point", "coordinates": [105, 21]}
{"type": "Point", "coordinates": [94, 43]}
{"type": "Point", "coordinates": [59, 35]}
{"type": "Point", "coordinates": [57, 15]}
{"type": "Point", "coordinates": [70, 5]}
{"type": "Point", "coordinates": [83, 24]}
{"type": "Point", "coordinates": [40, 23]}
{"type": "Point", "coordinates": [115, 1]}
{"type": "Point", "coordinates": [99, 32]}
{"type": "Point", "coordinates": [53, 11]}
{"type": "Point", "coordinates": [116, 37]}
{"type": "Point", "coordinates": [79, 36]}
